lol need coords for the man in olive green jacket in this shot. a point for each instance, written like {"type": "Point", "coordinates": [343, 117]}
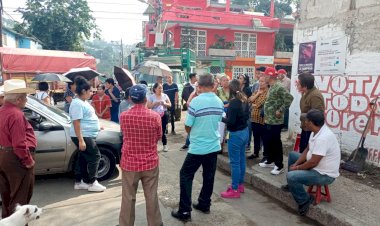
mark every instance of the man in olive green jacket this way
{"type": "Point", "coordinates": [311, 99]}
{"type": "Point", "coordinates": [278, 100]}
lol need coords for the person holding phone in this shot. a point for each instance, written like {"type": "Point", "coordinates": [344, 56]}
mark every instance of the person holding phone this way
{"type": "Point", "coordinates": [160, 102]}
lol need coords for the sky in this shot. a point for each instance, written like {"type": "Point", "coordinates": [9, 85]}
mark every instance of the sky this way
{"type": "Point", "coordinates": [118, 19]}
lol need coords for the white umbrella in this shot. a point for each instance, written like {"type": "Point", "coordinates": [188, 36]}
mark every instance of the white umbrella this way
{"type": "Point", "coordinates": [50, 77]}
{"type": "Point", "coordinates": [154, 68]}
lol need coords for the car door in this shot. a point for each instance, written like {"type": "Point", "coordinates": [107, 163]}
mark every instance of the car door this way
{"type": "Point", "coordinates": [51, 143]}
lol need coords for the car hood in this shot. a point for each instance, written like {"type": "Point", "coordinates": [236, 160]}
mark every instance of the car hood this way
{"type": "Point", "coordinates": [109, 125]}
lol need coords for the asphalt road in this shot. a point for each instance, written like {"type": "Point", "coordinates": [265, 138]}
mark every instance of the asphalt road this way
{"type": "Point", "coordinates": [62, 205]}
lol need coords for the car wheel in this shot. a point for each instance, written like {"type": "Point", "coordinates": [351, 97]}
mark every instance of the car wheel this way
{"type": "Point", "coordinates": [107, 164]}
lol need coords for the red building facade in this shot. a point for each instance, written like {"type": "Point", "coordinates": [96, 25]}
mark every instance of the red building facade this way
{"type": "Point", "coordinates": [224, 40]}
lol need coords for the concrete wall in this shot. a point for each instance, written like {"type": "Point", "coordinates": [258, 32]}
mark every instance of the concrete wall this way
{"type": "Point", "coordinates": [347, 95]}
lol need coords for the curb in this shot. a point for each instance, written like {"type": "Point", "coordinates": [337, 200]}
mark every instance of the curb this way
{"type": "Point", "coordinates": [320, 213]}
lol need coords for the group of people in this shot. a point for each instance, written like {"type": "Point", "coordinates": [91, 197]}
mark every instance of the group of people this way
{"type": "Point", "coordinates": [244, 109]}
{"type": "Point", "coordinates": [106, 101]}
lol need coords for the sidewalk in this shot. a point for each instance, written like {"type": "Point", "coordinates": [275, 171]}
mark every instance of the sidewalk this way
{"type": "Point", "coordinates": [352, 203]}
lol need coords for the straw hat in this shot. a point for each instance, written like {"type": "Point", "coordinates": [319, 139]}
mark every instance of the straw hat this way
{"type": "Point", "coordinates": [14, 86]}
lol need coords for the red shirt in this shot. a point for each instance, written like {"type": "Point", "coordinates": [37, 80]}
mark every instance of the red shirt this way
{"type": "Point", "coordinates": [101, 104]}
{"type": "Point", "coordinates": [141, 128]}
{"type": "Point", "coordinates": [16, 132]}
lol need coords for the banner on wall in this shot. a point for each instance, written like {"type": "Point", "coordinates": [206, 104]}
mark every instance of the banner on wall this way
{"type": "Point", "coordinates": [330, 56]}
{"type": "Point", "coordinates": [306, 59]}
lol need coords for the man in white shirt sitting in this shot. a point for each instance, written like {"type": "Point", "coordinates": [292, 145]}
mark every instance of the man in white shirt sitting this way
{"type": "Point", "coordinates": [317, 165]}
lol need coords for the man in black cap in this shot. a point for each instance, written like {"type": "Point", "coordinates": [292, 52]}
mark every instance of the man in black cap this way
{"type": "Point", "coordinates": [139, 159]}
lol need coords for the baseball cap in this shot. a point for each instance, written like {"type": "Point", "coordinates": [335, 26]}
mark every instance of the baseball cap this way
{"type": "Point", "coordinates": [281, 71]}
{"type": "Point", "coordinates": [270, 71]}
{"type": "Point", "coordinates": [137, 92]}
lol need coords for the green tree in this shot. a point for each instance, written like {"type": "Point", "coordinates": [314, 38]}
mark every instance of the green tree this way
{"type": "Point", "coordinates": [281, 7]}
{"type": "Point", "coordinates": [58, 24]}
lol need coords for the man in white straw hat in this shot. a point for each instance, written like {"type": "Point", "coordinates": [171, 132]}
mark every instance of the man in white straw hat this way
{"type": "Point", "coordinates": [17, 145]}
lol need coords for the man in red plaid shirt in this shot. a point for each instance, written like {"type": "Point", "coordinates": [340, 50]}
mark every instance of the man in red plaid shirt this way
{"type": "Point", "coordinates": [141, 128]}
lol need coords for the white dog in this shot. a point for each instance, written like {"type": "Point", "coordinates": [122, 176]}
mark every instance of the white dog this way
{"type": "Point", "coordinates": [22, 216]}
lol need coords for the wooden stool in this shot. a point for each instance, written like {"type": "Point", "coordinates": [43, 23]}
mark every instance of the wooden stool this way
{"type": "Point", "coordinates": [319, 194]}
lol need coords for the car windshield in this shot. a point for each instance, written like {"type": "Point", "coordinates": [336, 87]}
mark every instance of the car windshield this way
{"type": "Point", "coordinates": [49, 110]}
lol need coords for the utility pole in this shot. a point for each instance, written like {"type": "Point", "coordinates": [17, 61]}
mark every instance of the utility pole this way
{"type": "Point", "coordinates": [1, 22]}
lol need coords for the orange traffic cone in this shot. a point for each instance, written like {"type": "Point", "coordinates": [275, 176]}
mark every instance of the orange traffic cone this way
{"type": "Point", "coordinates": [296, 147]}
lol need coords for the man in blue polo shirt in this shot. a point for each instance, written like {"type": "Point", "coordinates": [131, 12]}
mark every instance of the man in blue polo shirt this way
{"type": "Point", "coordinates": [203, 116]}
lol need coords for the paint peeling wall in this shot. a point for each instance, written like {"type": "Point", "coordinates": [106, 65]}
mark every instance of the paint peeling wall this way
{"type": "Point", "coordinates": [347, 95]}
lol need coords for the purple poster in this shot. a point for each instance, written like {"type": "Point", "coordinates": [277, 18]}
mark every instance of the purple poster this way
{"type": "Point", "coordinates": [306, 60]}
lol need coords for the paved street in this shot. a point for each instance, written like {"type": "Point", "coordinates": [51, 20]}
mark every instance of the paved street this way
{"type": "Point", "coordinates": [64, 206]}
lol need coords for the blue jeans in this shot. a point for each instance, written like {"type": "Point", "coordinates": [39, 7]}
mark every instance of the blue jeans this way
{"type": "Point", "coordinates": [298, 178]}
{"type": "Point", "coordinates": [236, 151]}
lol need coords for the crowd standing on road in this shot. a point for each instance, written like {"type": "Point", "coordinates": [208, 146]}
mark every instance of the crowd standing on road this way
{"type": "Point", "coordinates": [212, 103]}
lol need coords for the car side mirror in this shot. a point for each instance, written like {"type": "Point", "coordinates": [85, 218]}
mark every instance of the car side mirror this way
{"type": "Point", "coordinates": [48, 126]}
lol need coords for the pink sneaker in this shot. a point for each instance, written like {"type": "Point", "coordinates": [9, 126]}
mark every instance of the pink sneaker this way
{"type": "Point", "coordinates": [230, 194]}
{"type": "Point", "coordinates": [240, 188]}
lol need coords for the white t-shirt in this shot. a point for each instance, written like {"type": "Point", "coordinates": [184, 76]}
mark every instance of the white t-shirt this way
{"type": "Point", "coordinates": [160, 109]}
{"type": "Point", "coordinates": [325, 144]}
{"type": "Point", "coordinates": [41, 95]}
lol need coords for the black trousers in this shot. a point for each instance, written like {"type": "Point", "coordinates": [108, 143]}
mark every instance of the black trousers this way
{"type": "Point", "coordinates": [305, 136]}
{"type": "Point", "coordinates": [258, 131]}
{"type": "Point", "coordinates": [188, 170]}
{"type": "Point", "coordinates": [273, 144]}
{"type": "Point", "coordinates": [164, 122]}
{"type": "Point", "coordinates": [86, 167]}
{"type": "Point", "coordinates": [172, 117]}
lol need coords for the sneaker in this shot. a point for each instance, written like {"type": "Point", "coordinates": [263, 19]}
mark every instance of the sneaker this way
{"type": "Point", "coordinates": [276, 170]}
{"type": "Point", "coordinates": [265, 164]}
{"type": "Point", "coordinates": [205, 210]}
{"type": "Point", "coordinates": [182, 216]}
{"type": "Point", "coordinates": [304, 208]}
{"type": "Point", "coordinates": [184, 147]}
{"type": "Point", "coordinates": [96, 187]}
{"type": "Point", "coordinates": [166, 149]}
{"type": "Point", "coordinates": [248, 149]}
{"type": "Point", "coordinates": [174, 133]}
{"type": "Point", "coordinates": [240, 188]}
{"type": "Point", "coordinates": [230, 194]}
{"type": "Point", "coordinates": [81, 185]}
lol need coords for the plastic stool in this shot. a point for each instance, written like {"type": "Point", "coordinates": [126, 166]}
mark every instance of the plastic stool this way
{"type": "Point", "coordinates": [319, 194]}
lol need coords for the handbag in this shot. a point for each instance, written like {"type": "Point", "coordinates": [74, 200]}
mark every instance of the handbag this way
{"type": "Point", "coordinates": [177, 112]}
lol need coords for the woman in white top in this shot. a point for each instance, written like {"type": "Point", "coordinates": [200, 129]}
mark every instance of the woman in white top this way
{"type": "Point", "coordinates": [43, 93]}
{"type": "Point", "coordinates": [160, 102]}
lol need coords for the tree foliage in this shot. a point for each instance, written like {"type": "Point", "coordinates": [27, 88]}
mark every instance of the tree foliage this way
{"type": "Point", "coordinates": [281, 7]}
{"type": "Point", "coordinates": [107, 54]}
{"type": "Point", "coordinates": [58, 24]}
